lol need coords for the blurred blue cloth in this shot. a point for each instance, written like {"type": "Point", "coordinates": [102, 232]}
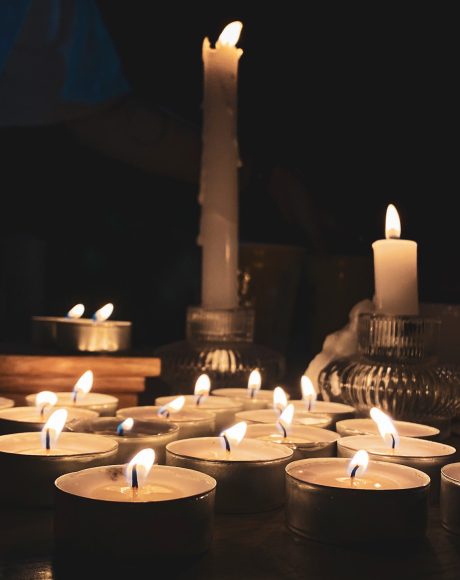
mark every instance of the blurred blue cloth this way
{"type": "Point", "coordinates": [54, 56]}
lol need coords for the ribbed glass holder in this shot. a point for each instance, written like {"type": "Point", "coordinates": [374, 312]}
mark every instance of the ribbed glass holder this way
{"type": "Point", "coordinates": [218, 342]}
{"type": "Point", "coordinates": [396, 369]}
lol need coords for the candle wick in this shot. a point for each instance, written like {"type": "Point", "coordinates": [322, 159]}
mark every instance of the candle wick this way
{"type": "Point", "coordinates": [198, 399]}
{"type": "Point", "coordinates": [393, 441]}
{"type": "Point", "coordinates": [74, 395]}
{"type": "Point", "coordinates": [134, 479]}
{"type": "Point", "coordinates": [252, 393]}
{"type": "Point", "coordinates": [283, 429]}
{"type": "Point", "coordinates": [47, 440]}
{"type": "Point", "coordinates": [120, 430]}
{"type": "Point", "coordinates": [309, 405]}
{"type": "Point", "coordinates": [227, 444]}
{"type": "Point", "coordinates": [42, 409]}
{"type": "Point", "coordinates": [164, 413]}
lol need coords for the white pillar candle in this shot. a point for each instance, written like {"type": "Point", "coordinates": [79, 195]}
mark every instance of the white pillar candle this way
{"type": "Point", "coordinates": [219, 171]}
{"type": "Point", "coordinates": [395, 270]}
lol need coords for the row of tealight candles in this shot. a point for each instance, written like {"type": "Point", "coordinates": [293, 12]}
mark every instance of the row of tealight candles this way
{"type": "Point", "coordinates": [251, 451]}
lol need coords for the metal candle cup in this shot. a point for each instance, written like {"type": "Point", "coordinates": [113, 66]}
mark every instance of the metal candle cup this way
{"type": "Point", "coordinates": [94, 519]}
{"type": "Point", "coordinates": [21, 419]}
{"type": "Point", "coordinates": [304, 441]}
{"type": "Point", "coordinates": [224, 408]}
{"type": "Point", "coordinates": [352, 427]}
{"type": "Point", "coordinates": [143, 434]}
{"type": "Point", "coordinates": [250, 478]}
{"type": "Point", "coordinates": [318, 508]}
{"type": "Point", "coordinates": [191, 422]}
{"type": "Point", "coordinates": [29, 473]}
{"type": "Point", "coordinates": [271, 416]}
{"type": "Point", "coordinates": [427, 456]}
{"type": "Point", "coordinates": [337, 411]}
{"type": "Point", "coordinates": [450, 497]}
{"type": "Point", "coordinates": [6, 403]}
{"type": "Point", "coordinates": [103, 405]}
{"type": "Point", "coordinates": [87, 335]}
{"type": "Point", "coordinates": [44, 329]}
{"type": "Point", "coordinates": [262, 399]}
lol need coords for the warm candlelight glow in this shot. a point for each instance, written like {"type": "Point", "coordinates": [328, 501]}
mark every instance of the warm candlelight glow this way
{"type": "Point", "coordinates": [173, 406]}
{"type": "Point", "coordinates": [254, 383]}
{"type": "Point", "coordinates": [392, 223]}
{"type": "Point", "coordinates": [138, 468]}
{"type": "Point", "coordinates": [103, 313]}
{"type": "Point", "coordinates": [76, 312]}
{"type": "Point", "coordinates": [308, 392]}
{"type": "Point", "coordinates": [52, 429]}
{"type": "Point", "coordinates": [285, 419]}
{"type": "Point", "coordinates": [233, 436]}
{"type": "Point", "coordinates": [202, 388]}
{"type": "Point", "coordinates": [386, 427]}
{"type": "Point", "coordinates": [230, 34]}
{"type": "Point", "coordinates": [45, 399]}
{"type": "Point", "coordinates": [279, 399]}
{"type": "Point", "coordinates": [358, 464]}
{"type": "Point", "coordinates": [126, 425]}
{"type": "Point", "coordinates": [83, 385]}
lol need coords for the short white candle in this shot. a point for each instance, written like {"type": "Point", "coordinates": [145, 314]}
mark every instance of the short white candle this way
{"type": "Point", "coordinates": [219, 171]}
{"type": "Point", "coordinates": [6, 403]}
{"type": "Point", "coordinates": [450, 497]}
{"type": "Point", "coordinates": [252, 397]}
{"type": "Point", "coordinates": [349, 427]}
{"type": "Point", "coordinates": [395, 270]}
{"type": "Point", "coordinates": [271, 416]}
{"type": "Point", "coordinates": [21, 419]}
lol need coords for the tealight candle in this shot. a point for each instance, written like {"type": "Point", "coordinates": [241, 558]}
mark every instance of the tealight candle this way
{"type": "Point", "coordinates": [253, 397]}
{"type": "Point", "coordinates": [32, 461]}
{"type": "Point", "coordinates": [450, 497]}
{"type": "Point", "coordinates": [96, 334]}
{"type": "Point", "coordinates": [21, 419]}
{"type": "Point", "coordinates": [336, 411]}
{"type": "Point", "coordinates": [223, 407]}
{"type": "Point", "coordinates": [81, 397]}
{"type": "Point", "coordinates": [388, 503]}
{"type": "Point", "coordinates": [191, 422]}
{"type": "Point", "coordinates": [44, 328]}
{"type": "Point", "coordinates": [364, 426]}
{"type": "Point", "coordinates": [132, 435]}
{"type": "Point", "coordinates": [249, 472]}
{"type": "Point", "coordinates": [134, 510]}
{"type": "Point", "coordinates": [6, 403]}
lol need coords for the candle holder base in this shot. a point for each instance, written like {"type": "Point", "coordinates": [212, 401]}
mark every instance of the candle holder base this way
{"type": "Point", "coordinates": [218, 342]}
{"type": "Point", "coordinates": [396, 369]}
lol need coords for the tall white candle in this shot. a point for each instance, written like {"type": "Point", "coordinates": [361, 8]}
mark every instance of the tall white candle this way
{"type": "Point", "coordinates": [219, 171]}
{"type": "Point", "coordinates": [395, 270]}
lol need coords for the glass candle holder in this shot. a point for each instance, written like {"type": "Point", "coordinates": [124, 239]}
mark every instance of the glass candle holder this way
{"type": "Point", "coordinates": [219, 342]}
{"type": "Point", "coordinates": [396, 369]}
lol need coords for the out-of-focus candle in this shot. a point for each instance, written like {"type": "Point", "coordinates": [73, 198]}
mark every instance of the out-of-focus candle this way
{"type": "Point", "coordinates": [219, 171]}
{"type": "Point", "coordinates": [395, 270]}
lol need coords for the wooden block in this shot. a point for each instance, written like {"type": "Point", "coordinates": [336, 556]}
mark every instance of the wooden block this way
{"type": "Point", "coordinates": [34, 384]}
{"type": "Point", "coordinates": [74, 366]}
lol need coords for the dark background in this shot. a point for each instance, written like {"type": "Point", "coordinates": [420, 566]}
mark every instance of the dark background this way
{"type": "Point", "coordinates": [342, 110]}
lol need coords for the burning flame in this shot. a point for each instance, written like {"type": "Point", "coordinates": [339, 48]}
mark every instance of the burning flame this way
{"type": "Point", "coordinates": [386, 427]}
{"type": "Point", "coordinates": [202, 388]}
{"type": "Point", "coordinates": [308, 392]}
{"type": "Point", "coordinates": [76, 312]}
{"type": "Point", "coordinates": [285, 419]}
{"type": "Point", "coordinates": [45, 399]}
{"type": "Point", "coordinates": [233, 436]}
{"type": "Point", "coordinates": [103, 313]}
{"type": "Point", "coordinates": [124, 426]}
{"type": "Point", "coordinates": [139, 467]}
{"type": "Point", "coordinates": [392, 223]}
{"type": "Point", "coordinates": [230, 34]}
{"type": "Point", "coordinates": [83, 385]}
{"type": "Point", "coordinates": [173, 406]}
{"type": "Point", "coordinates": [52, 429]}
{"type": "Point", "coordinates": [254, 383]}
{"type": "Point", "coordinates": [279, 399]}
{"type": "Point", "coordinates": [358, 464]}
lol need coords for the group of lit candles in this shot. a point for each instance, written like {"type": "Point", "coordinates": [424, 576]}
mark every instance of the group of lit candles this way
{"type": "Point", "coordinates": [243, 450]}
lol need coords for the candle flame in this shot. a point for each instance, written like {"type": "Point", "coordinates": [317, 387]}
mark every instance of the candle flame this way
{"type": "Point", "coordinates": [386, 427]}
{"type": "Point", "coordinates": [84, 383]}
{"type": "Point", "coordinates": [45, 399]}
{"type": "Point", "coordinates": [103, 313]}
{"type": "Point", "coordinates": [285, 419]}
{"type": "Point", "coordinates": [308, 392]}
{"type": "Point", "coordinates": [254, 382]}
{"type": "Point", "coordinates": [233, 436]}
{"type": "Point", "coordinates": [173, 406]}
{"type": "Point", "coordinates": [125, 425]}
{"type": "Point", "coordinates": [52, 428]}
{"type": "Point", "coordinates": [230, 34]}
{"type": "Point", "coordinates": [202, 387]}
{"type": "Point", "coordinates": [76, 311]}
{"type": "Point", "coordinates": [358, 463]}
{"type": "Point", "coordinates": [392, 223]}
{"type": "Point", "coordinates": [138, 468]}
{"type": "Point", "coordinates": [279, 399]}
